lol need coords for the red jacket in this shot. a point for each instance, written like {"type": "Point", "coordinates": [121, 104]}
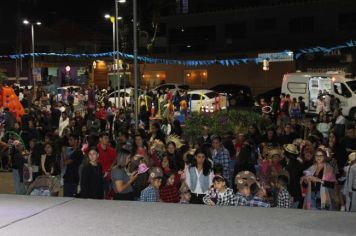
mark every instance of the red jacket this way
{"type": "Point", "coordinates": [101, 114]}
{"type": "Point", "coordinates": [106, 158]}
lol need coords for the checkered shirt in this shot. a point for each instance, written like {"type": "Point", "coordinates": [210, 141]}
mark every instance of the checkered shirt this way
{"type": "Point", "coordinates": [284, 199]}
{"type": "Point", "coordinates": [257, 202]}
{"type": "Point", "coordinates": [149, 194]}
{"type": "Point", "coordinates": [223, 157]}
{"type": "Point", "coordinates": [225, 199]}
{"type": "Point", "coordinates": [240, 200]}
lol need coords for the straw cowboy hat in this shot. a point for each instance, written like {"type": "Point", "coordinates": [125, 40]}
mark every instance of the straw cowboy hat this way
{"type": "Point", "coordinates": [291, 148]}
{"type": "Point", "coordinates": [245, 178]}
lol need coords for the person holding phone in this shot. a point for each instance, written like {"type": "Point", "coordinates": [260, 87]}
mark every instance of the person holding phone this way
{"type": "Point", "coordinates": [121, 179]}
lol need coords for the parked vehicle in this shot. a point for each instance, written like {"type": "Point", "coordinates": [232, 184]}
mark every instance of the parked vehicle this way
{"type": "Point", "coordinates": [171, 86]}
{"type": "Point", "coordinates": [124, 93]}
{"type": "Point", "coordinates": [237, 95]}
{"type": "Point", "coordinates": [311, 85]}
{"type": "Point", "coordinates": [209, 99]}
{"type": "Point", "coordinates": [276, 92]}
{"type": "Point", "coordinates": [62, 90]}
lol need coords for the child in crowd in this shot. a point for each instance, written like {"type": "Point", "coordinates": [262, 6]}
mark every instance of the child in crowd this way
{"type": "Point", "coordinates": [151, 193]}
{"type": "Point", "coordinates": [185, 195]}
{"type": "Point", "coordinates": [169, 192]}
{"type": "Point", "coordinates": [219, 195]}
{"type": "Point", "coordinates": [243, 181]}
{"type": "Point", "coordinates": [258, 194]}
{"type": "Point", "coordinates": [284, 199]}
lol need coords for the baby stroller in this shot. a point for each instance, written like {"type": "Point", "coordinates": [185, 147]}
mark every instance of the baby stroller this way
{"type": "Point", "coordinates": [44, 186]}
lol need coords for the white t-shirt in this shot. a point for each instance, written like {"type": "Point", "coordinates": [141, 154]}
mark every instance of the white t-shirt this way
{"type": "Point", "coordinates": [197, 189]}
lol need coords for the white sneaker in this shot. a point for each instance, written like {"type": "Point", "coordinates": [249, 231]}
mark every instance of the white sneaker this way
{"type": "Point", "coordinates": [342, 208]}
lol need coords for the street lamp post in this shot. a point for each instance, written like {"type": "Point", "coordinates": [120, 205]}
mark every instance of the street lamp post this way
{"type": "Point", "coordinates": [135, 61]}
{"type": "Point", "coordinates": [112, 19]}
{"type": "Point", "coordinates": [26, 22]}
{"type": "Point", "coordinates": [118, 48]}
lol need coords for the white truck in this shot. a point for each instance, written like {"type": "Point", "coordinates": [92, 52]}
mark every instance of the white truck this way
{"type": "Point", "coordinates": [310, 85]}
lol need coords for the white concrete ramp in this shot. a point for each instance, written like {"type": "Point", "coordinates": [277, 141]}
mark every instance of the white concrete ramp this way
{"type": "Point", "coordinates": [23, 215]}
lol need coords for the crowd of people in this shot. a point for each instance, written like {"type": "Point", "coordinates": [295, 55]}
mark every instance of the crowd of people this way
{"type": "Point", "coordinates": [93, 150]}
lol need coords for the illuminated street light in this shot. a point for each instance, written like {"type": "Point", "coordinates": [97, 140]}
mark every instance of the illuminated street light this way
{"type": "Point", "coordinates": [107, 16]}
{"type": "Point", "coordinates": [38, 23]}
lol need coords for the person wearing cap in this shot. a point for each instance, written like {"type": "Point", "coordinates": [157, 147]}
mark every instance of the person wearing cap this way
{"type": "Point", "coordinates": [151, 193]}
{"type": "Point", "coordinates": [219, 194]}
{"type": "Point", "coordinates": [295, 172]}
{"type": "Point", "coordinates": [350, 185]}
{"type": "Point", "coordinates": [270, 167]}
{"type": "Point", "coordinates": [243, 181]}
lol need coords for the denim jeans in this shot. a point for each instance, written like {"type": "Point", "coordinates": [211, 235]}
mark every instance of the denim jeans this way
{"type": "Point", "coordinates": [315, 201]}
{"type": "Point", "coordinates": [19, 187]}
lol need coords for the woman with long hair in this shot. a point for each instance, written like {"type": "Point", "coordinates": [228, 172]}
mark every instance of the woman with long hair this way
{"type": "Point", "coordinates": [254, 134]}
{"type": "Point", "coordinates": [139, 146]}
{"type": "Point", "coordinates": [50, 161]}
{"type": "Point", "coordinates": [123, 180]}
{"type": "Point", "coordinates": [175, 157]}
{"type": "Point", "coordinates": [319, 183]}
{"type": "Point", "coordinates": [199, 177]}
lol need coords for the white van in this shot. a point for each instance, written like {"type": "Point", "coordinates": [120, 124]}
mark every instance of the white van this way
{"type": "Point", "coordinates": [309, 85]}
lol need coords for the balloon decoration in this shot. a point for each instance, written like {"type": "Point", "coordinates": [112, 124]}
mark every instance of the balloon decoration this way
{"type": "Point", "coordinates": [192, 63]}
{"type": "Point", "coordinates": [9, 99]}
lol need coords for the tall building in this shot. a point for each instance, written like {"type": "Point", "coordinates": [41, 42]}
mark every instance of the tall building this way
{"type": "Point", "coordinates": [182, 6]}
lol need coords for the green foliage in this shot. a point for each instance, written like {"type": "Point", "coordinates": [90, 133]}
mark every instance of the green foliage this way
{"type": "Point", "coordinates": [224, 121]}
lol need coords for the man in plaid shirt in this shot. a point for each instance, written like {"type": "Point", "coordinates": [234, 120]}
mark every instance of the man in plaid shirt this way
{"type": "Point", "coordinates": [219, 195]}
{"type": "Point", "coordinates": [221, 156]}
{"type": "Point", "coordinates": [151, 193]}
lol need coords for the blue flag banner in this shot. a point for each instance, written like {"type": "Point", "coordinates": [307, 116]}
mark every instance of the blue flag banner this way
{"type": "Point", "coordinates": [286, 55]}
